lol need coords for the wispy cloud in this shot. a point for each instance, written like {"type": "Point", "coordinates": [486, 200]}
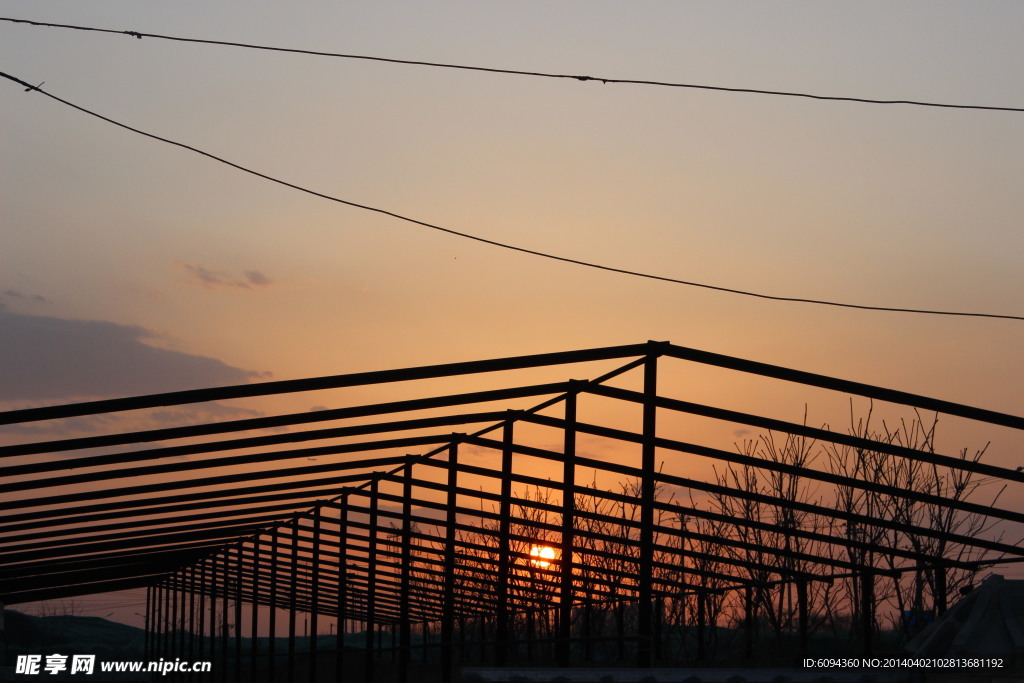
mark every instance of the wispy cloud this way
{"type": "Point", "coordinates": [257, 279]}
{"type": "Point", "coordinates": [15, 294]}
{"type": "Point", "coordinates": [213, 279]}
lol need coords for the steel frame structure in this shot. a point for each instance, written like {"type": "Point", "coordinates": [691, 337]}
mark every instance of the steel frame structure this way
{"type": "Point", "coordinates": [384, 536]}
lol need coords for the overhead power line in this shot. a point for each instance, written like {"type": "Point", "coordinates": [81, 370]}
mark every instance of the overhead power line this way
{"type": "Point", "coordinates": [495, 243]}
{"type": "Point", "coordinates": [513, 72]}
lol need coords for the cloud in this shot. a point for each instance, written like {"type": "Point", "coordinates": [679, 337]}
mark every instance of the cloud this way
{"type": "Point", "coordinates": [257, 278]}
{"type": "Point", "coordinates": [15, 294]}
{"type": "Point", "coordinates": [43, 358]}
{"type": "Point", "coordinates": [212, 279]}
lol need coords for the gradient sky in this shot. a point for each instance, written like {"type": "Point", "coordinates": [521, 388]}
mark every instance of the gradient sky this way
{"type": "Point", "coordinates": [128, 266]}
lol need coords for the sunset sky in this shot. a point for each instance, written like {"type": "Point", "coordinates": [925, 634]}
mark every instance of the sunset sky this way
{"type": "Point", "coordinates": [128, 266]}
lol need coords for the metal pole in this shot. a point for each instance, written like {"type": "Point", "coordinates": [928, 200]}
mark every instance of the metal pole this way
{"type": "Point", "coordinates": [448, 610]}
{"type": "Point", "coordinates": [254, 625]}
{"type": "Point", "coordinates": [504, 545]}
{"type": "Point", "coordinates": [213, 609]}
{"type": "Point", "coordinates": [371, 579]}
{"type": "Point", "coordinates": [158, 616]}
{"type": "Point", "coordinates": [183, 632]}
{"type": "Point", "coordinates": [645, 580]}
{"type": "Point", "coordinates": [339, 655]}
{"type": "Point", "coordinates": [224, 619]}
{"type": "Point", "coordinates": [314, 595]}
{"type": "Point", "coordinates": [165, 649]}
{"type": "Point", "coordinates": [801, 596]}
{"type": "Point", "coordinates": [174, 639]}
{"type": "Point", "coordinates": [292, 598]}
{"type": "Point", "coordinates": [155, 639]}
{"type": "Point", "coordinates": [192, 613]}
{"type": "Point", "coordinates": [272, 615]}
{"type": "Point", "coordinates": [201, 627]}
{"type": "Point", "coordinates": [405, 628]}
{"type": "Point", "coordinates": [565, 592]}
{"type": "Point", "coordinates": [178, 619]}
{"type": "Point", "coordinates": [146, 620]}
{"type": "Point", "coordinates": [238, 613]}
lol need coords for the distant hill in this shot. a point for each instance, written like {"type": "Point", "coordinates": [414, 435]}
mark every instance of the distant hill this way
{"type": "Point", "coordinates": [72, 635]}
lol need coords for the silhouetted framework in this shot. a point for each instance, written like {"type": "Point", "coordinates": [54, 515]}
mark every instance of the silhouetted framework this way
{"type": "Point", "coordinates": [376, 543]}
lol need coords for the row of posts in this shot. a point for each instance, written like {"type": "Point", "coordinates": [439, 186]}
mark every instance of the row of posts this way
{"type": "Point", "coordinates": [177, 615]}
{"type": "Point", "coordinates": [182, 614]}
{"type": "Point", "coordinates": [170, 619]}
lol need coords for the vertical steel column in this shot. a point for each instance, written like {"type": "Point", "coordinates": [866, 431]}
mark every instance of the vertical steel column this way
{"type": "Point", "coordinates": [146, 635]}
{"type": "Point", "coordinates": [154, 624]}
{"type": "Point", "coordinates": [645, 579]}
{"type": "Point", "coordinates": [867, 609]}
{"type": "Point", "coordinates": [293, 597]}
{"type": "Point", "coordinates": [254, 625]}
{"type": "Point", "coordinates": [563, 642]}
{"type": "Point", "coordinates": [371, 579]}
{"type": "Point", "coordinates": [172, 649]}
{"type": "Point", "coordinates": [179, 619]}
{"type": "Point", "coordinates": [801, 597]}
{"type": "Point", "coordinates": [187, 612]}
{"type": "Point", "coordinates": [192, 613]}
{"type": "Point", "coordinates": [165, 645]}
{"type": "Point", "coordinates": [225, 572]}
{"type": "Point", "coordinates": [272, 615]}
{"type": "Point", "coordinates": [314, 594]}
{"type": "Point", "coordinates": [155, 640]}
{"type": "Point", "coordinates": [160, 617]}
{"type": "Point", "coordinates": [182, 644]}
{"type": "Point", "coordinates": [448, 609]}
{"type": "Point", "coordinates": [238, 613]}
{"type": "Point", "coordinates": [504, 545]}
{"type": "Point", "coordinates": [404, 626]}
{"type": "Point", "coordinates": [339, 655]}
{"type": "Point", "coordinates": [201, 627]}
{"type": "Point", "coordinates": [213, 609]}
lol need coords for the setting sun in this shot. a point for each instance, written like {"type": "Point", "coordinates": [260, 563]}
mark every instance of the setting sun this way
{"type": "Point", "coordinates": [543, 555]}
